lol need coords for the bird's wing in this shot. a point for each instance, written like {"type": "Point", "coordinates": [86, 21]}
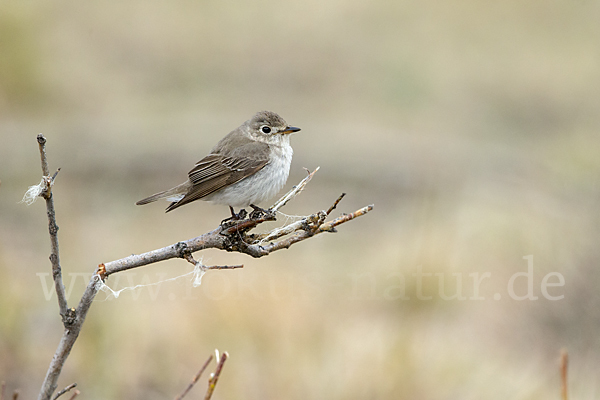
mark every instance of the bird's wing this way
{"type": "Point", "coordinates": [217, 170]}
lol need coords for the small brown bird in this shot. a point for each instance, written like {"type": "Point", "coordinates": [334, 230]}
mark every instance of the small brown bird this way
{"type": "Point", "coordinates": [249, 165]}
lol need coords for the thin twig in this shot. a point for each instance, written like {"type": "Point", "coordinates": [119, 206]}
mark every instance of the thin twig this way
{"type": "Point", "coordinates": [2, 389]}
{"type": "Point", "coordinates": [195, 379]}
{"type": "Point", "coordinates": [53, 230]}
{"type": "Point", "coordinates": [293, 192]}
{"type": "Point", "coordinates": [311, 220]}
{"type": "Point", "coordinates": [325, 227]}
{"type": "Point", "coordinates": [65, 390]}
{"type": "Point", "coordinates": [329, 226]}
{"type": "Point", "coordinates": [212, 382]}
{"type": "Point", "coordinates": [55, 174]}
{"type": "Point", "coordinates": [335, 203]}
{"type": "Point", "coordinates": [564, 364]}
{"type": "Point", "coordinates": [224, 266]}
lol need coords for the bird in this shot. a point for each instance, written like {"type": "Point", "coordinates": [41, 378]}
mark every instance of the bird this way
{"type": "Point", "coordinates": [249, 165]}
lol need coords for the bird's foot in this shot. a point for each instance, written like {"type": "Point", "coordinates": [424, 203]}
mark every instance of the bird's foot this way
{"type": "Point", "coordinates": [235, 217]}
{"type": "Point", "coordinates": [258, 212]}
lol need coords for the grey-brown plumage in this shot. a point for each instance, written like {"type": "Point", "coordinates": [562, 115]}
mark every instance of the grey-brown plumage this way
{"type": "Point", "coordinates": [247, 166]}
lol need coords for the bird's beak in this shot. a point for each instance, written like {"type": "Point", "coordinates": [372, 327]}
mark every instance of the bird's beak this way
{"type": "Point", "coordinates": [290, 129]}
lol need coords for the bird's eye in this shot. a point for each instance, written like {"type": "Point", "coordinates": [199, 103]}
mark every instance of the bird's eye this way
{"type": "Point", "coordinates": [265, 129]}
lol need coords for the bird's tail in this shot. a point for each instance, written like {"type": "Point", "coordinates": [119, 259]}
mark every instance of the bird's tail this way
{"type": "Point", "coordinates": [173, 194]}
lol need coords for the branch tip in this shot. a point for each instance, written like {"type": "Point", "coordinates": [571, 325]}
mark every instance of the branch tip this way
{"type": "Point", "coordinates": [54, 176]}
{"type": "Point", "coordinates": [65, 390]}
{"type": "Point", "coordinates": [214, 377]}
{"type": "Point", "coordinates": [334, 205]}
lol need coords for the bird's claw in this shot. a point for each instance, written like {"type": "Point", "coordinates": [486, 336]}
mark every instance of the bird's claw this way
{"type": "Point", "coordinates": [235, 217]}
{"type": "Point", "coordinates": [258, 212]}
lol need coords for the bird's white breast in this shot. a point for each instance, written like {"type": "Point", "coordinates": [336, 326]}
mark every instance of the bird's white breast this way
{"type": "Point", "coordinates": [261, 186]}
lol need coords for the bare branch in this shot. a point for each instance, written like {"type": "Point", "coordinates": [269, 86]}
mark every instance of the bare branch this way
{"type": "Point", "coordinates": [335, 203]}
{"type": "Point", "coordinates": [53, 230]}
{"type": "Point", "coordinates": [304, 223]}
{"type": "Point", "coordinates": [65, 390]}
{"type": "Point", "coordinates": [195, 379]}
{"type": "Point", "coordinates": [212, 382]}
{"type": "Point", "coordinates": [233, 237]}
{"type": "Point", "coordinates": [306, 234]}
{"type": "Point", "coordinates": [62, 352]}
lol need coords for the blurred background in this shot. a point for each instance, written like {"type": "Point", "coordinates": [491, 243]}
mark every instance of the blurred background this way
{"type": "Point", "coordinates": [471, 126]}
